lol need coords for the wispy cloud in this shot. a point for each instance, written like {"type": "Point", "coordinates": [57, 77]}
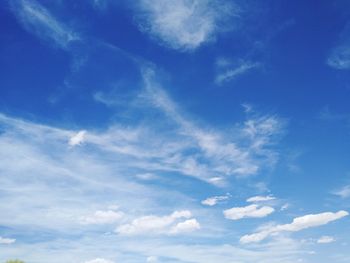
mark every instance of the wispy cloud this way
{"type": "Point", "coordinates": [6, 241]}
{"type": "Point", "coordinates": [77, 138]}
{"type": "Point", "coordinates": [299, 223]}
{"type": "Point", "coordinates": [250, 211]}
{"type": "Point", "coordinates": [325, 240]}
{"type": "Point", "coordinates": [152, 259]}
{"type": "Point", "coordinates": [256, 199]}
{"type": "Point", "coordinates": [343, 192]}
{"type": "Point", "coordinates": [99, 260]}
{"type": "Point", "coordinates": [38, 20]}
{"type": "Point", "coordinates": [222, 152]}
{"type": "Point", "coordinates": [211, 201]}
{"type": "Point", "coordinates": [283, 250]}
{"type": "Point", "coordinates": [102, 217]}
{"type": "Point", "coordinates": [228, 71]}
{"type": "Point", "coordinates": [184, 24]}
{"type": "Point", "coordinates": [339, 57]}
{"type": "Point", "coordinates": [80, 183]}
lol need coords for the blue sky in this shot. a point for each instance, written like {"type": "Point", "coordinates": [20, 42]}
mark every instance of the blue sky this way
{"type": "Point", "coordinates": [190, 131]}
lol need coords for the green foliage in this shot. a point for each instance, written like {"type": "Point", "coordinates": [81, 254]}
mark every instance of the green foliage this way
{"type": "Point", "coordinates": [14, 261]}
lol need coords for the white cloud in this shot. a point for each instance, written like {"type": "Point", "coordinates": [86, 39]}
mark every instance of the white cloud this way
{"type": "Point", "coordinates": [36, 162]}
{"type": "Point", "coordinates": [37, 19]}
{"type": "Point", "coordinates": [285, 207]}
{"type": "Point", "coordinates": [152, 259]}
{"type": "Point", "coordinates": [102, 217]}
{"type": "Point", "coordinates": [325, 240]}
{"type": "Point", "coordinates": [253, 211]}
{"type": "Point", "coordinates": [259, 198]}
{"type": "Point", "coordinates": [340, 58]}
{"type": "Point", "coordinates": [343, 192]}
{"type": "Point", "coordinates": [159, 224]}
{"type": "Point", "coordinates": [211, 201]}
{"type": "Point", "coordinates": [299, 223]}
{"type": "Point", "coordinates": [6, 241]}
{"type": "Point", "coordinates": [77, 139]}
{"type": "Point", "coordinates": [146, 176]}
{"type": "Point", "coordinates": [99, 260]}
{"type": "Point", "coordinates": [100, 4]}
{"type": "Point", "coordinates": [186, 226]}
{"type": "Point", "coordinates": [283, 250]}
{"type": "Point", "coordinates": [184, 24]}
{"type": "Point", "coordinates": [222, 152]}
{"type": "Point", "coordinates": [228, 73]}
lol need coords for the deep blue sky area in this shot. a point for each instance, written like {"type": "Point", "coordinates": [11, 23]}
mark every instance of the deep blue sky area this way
{"type": "Point", "coordinates": [189, 131]}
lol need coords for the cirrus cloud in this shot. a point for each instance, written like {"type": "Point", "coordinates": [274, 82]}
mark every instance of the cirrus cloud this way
{"type": "Point", "coordinates": [184, 24]}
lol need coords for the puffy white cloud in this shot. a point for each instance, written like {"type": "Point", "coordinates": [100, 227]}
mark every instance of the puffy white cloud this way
{"type": "Point", "coordinates": [258, 198]}
{"type": "Point", "coordinates": [325, 240]}
{"type": "Point", "coordinates": [37, 19]}
{"type": "Point", "coordinates": [102, 217]}
{"type": "Point", "coordinates": [184, 24]}
{"type": "Point", "coordinates": [6, 241]}
{"type": "Point", "coordinates": [254, 211]}
{"type": "Point", "coordinates": [160, 224]}
{"type": "Point", "coordinates": [77, 138]}
{"type": "Point", "coordinates": [186, 226]}
{"type": "Point", "coordinates": [99, 260]}
{"type": "Point", "coordinates": [211, 201]}
{"type": "Point", "coordinates": [299, 223]}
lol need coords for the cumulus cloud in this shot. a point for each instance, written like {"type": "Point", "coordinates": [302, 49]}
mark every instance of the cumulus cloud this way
{"type": "Point", "coordinates": [325, 240]}
{"type": "Point", "coordinates": [253, 211]}
{"type": "Point", "coordinates": [186, 226]}
{"type": "Point", "coordinates": [299, 223]}
{"type": "Point", "coordinates": [160, 224]}
{"type": "Point", "coordinates": [99, 260]}
{"type": "Point", "coordinates": [184, 24]}
{"type": "Point", "coordinates": [6, 241]}
{"type": "Point", "coordinates": [256, 199]}
{"type": "Point", "coordinates": [38, 20]}
{"type": "Point", "coordinates": [102, 217]}
{"type": "Point", "coordinates": [211, 201]}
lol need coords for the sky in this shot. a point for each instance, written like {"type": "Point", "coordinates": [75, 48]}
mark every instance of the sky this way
{"type": "Point", "coordinates": [180, 131]}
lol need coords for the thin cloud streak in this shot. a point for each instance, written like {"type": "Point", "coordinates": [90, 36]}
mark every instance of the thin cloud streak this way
{"type": "Point", "coordinates": [38, 20]}
{"type": "Point", "coordinates": [229, 73]}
